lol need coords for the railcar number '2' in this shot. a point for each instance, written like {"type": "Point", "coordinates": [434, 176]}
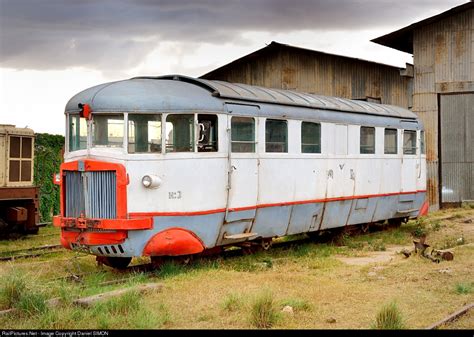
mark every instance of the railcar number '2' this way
{"type": "Point", "coordinates": [175, 166]}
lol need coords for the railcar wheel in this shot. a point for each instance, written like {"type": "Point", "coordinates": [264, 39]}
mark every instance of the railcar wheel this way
{"type": "Point", "coordinates": [395, 223]}
{"type": "Point", "coordinates": [114, 262]}
{"type": "Point", "coordinates": [266, 244]}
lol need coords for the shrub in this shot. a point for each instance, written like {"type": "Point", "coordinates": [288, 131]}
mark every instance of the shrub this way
{"type": "Point", "coordinates": [389, 318]}
{"type": "Point", "coordinates": [263, 314]}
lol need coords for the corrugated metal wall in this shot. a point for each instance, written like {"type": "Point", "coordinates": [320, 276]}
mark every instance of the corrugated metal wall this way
{"type": "Point", "coordinates": [457, 150]}
{"type": "Point", "coordinates": [444, 63]}
{"type": "Point", "coordinates": [313, 72]}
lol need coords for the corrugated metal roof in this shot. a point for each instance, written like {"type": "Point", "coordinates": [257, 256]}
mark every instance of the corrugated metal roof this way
{"type": "Point", "coordinates": [402, 39]}
{"type": "Point", "coordinates": [287, 97]}
{"type": "Point", "coordinates": [276, 46]}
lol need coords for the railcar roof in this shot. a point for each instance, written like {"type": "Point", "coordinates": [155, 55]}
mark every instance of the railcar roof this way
{"type": "Point", "coordinates": [176, 92]}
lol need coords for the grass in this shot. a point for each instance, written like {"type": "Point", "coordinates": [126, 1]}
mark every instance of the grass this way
{"type": "Point", "coordinates": [12, 287]}
{"type": "Point", "coordinates": [297, 304]}
{"type": "Point", "coordinates": [263, 314]}
{"type": "Point", "coordinates": [464, 288]}
{"type": "Point", "coordinates": [232, 302]}
{"type": "Point", "coordinates": [389, 318]}
{"type": "Point", "coordinates": [221, 293]}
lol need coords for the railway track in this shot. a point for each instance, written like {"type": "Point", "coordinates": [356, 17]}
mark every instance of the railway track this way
{"type": "Point", "coordinates": [29, 252]}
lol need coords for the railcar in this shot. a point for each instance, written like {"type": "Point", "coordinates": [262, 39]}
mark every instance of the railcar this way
{"type": "Point", "coordinates": [18, 194]}
{"type": "Point", "coordinates": [176, 166]}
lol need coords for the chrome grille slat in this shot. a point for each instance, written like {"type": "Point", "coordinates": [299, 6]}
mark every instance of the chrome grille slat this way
{"type": "Point", "coordinates": [91, 193]}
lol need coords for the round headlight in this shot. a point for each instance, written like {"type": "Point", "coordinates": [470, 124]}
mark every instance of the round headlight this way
{"type": "Point", "coordinates": [151, 181]}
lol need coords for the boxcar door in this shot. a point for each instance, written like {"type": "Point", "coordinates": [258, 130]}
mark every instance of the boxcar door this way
{"type": "Point", "coordinates": [243, 174]}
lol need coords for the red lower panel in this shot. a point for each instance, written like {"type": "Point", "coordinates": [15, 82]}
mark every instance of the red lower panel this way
{"type": "Point", "coordinates": [424, 209]}
{"type": "Point", "coordinates": [92, 238]}
{"type": "Point", "coordinates": [173, 242]}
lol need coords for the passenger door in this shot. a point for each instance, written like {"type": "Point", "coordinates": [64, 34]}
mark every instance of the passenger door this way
{"type": "Point", "coordinates": [243, 175]}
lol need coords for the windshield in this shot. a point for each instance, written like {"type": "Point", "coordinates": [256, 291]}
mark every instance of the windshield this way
{"type": "Point", "coordinates": [108, 130]}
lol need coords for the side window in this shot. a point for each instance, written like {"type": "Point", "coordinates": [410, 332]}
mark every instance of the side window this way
{"type": "Point", "coordinates": [367, 139]}
{"type": "Point", "coordinates": [180, 133]}
{"type": "Point", "coordinates": [310, 137]}
{"type": "Point", "coordinates": [207, 141]}
{"type": "Point", "coordinates": [422, 142]}
{"type": "Point", "coordinates": [20, 159]}
{"type": "Point", "coordinates": [276, 135]}
{"type": "Point", "coordinates": [77, 133]}
{"type": "Point", "coordinates": [243, 134]}
{"type": "Point", "coordinates": [409, 142]}
{"type": "Point", "coordinates": [144, 133]}
{"type": "Point", "coordinates": [390, 141]}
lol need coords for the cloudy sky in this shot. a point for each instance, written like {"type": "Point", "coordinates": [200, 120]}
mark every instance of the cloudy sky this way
{"type": "Point", "coordinates": [52, 49]}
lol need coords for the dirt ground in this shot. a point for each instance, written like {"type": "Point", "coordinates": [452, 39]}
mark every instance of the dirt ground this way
{"type": "Point", "coordinates": [341, 285]}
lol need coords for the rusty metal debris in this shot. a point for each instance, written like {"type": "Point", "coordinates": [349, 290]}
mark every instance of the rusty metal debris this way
{"type": "Point", "coordinates": [425, 250]}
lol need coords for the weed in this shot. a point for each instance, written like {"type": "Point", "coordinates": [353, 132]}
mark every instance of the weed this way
{"type": "Point", "coordinates": [457, 216]}
{"type": "Point", "coordinates": [436, 226]}
{"type": "Point", "coordinates": [378, 245]}
{"type": "Point", "coordinates": [232, 302]}
{"type": "Point", "coordinates": [32, 302]}
{"type": "Point", "coordinates": [297, 304]}
{"type": "Point", "coordinates": [420, 230]}
{"type": "Point", "coordinates": [170, 269]}
{"type": "Point", "coordinates": [464, 288]}
{"type": "Point", "coordinates": [13, 285]}
{"type": "Point", "coordinates": [389, 318]}
{"type": "Point", "coordinates": [453, 242]}
{"type": "Point", "coordinates": [123, 305]}
{"type": "Point", "coordinates": [263, 314]}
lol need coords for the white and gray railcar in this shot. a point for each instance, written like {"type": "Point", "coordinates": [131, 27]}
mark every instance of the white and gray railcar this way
{"type": "Point", "coordinates": [172, 165]}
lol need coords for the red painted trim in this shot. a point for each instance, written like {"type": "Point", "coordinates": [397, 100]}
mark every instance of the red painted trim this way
{"type": "Point", "coordinates": [424, 208]}
{"type": "Point", "coordinates": [92, 165]}
{"type": "Point", "coordinates": [289, 203]}
{"type": "Point", "coordinates": [173, 242]}
{"type": "Point", "coordinates": [119, 224]}
{"type": "Point", "coordinates": [92, 238]}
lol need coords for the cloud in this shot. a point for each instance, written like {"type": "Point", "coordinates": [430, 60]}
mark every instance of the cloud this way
{"type": "Point", "coordinates": [118, 34]}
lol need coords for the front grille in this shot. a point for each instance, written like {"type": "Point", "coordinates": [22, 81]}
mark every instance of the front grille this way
{"type": "Point", "coordinates": [91, 193]}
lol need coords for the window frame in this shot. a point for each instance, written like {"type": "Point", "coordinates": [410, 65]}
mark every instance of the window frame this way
{"type": "Point", "coordinates": [20, 159]}
{"type": "Point", "coordinates": [124, 141]}
{"type": "Point", "coordinates": [127, 126]}
{"type": "Point", "coordinates": [422, 142]}
{"type": "Point", "coordinates": [286, 135]}
{"type": "Point", "coordinates": [385, 141]}
{"type": "Point", "coordinates": [254, 142]}
{"type": "Point", "coordinates": [360, 139]}
{"type": "Point", "coordinates": [309, 144]}
{"type": "Point", "coordinates": [415, 142]}
{"type": "Point", "coordinates": [69, 135]}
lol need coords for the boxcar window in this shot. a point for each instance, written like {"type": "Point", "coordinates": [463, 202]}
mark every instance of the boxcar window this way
{"type": "Point", "coordinates": [77, 133]}
{"type": "Point", "coordinates": [409, 142]}
{"type": "Point", "coordinates": [367, 139]}
{"type": "Point", "coordinates": [180, 133]}
{"type": "Point", "coordinates": [107, 130]}
{"type": "Point", "coordinates": [144, 133]}
{"type": "Point", "coordinates": [276, 136]}
{"type": "Point", "coordinates": [390, 141]}
{"type": "Point", "coordinates": [422, 142]}
{"type": "Point", "coordinates": [243, 134]}
{"type": "Point", "coordinates": [207, 141]}
{"type": "Point", "coordinates": [20, 159]}
{"type": "Point", "coordinates": [310, 137]}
